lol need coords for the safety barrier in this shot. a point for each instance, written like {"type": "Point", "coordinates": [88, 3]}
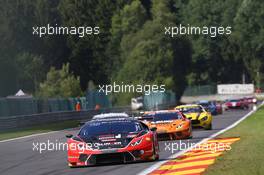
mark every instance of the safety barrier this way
{"type": "Point", "coordinates": [200, 90]}
{"type": "Point", "coordinates": [28, 106]}
{"type": "Point", "coordinates": [24, 121]}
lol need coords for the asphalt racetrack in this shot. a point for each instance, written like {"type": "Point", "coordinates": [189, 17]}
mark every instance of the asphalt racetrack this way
{"type": "Point", "coordinates": [19, 158]}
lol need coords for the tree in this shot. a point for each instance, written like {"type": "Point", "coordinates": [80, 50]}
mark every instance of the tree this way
{"type": "Point", "coordinates": [213, 56]}
{"type": "Point", "coordinates": [249, 33]}
{"type": "Point", "coordinates": [20, 51]}
{"type": "Point", "coordinates": [60, 83]}
{"type": "Point", "coordinates": [150, 57]}
{"type": "Point", "coordinates": [88, 56]}
{"type": "Point", "coordinates": [131, 42]}
{"type": "Point", "coordinates": [26, 64]}
{"type": "Point", "coordinates": [127, 21]}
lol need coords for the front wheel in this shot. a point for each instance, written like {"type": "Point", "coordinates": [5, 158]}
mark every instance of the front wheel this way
{"type": "Point", "coordinates": [155, 155]}
{"type": "Point", "coordinates": [209, 127]}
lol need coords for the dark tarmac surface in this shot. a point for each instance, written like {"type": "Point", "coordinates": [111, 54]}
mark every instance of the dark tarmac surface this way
{"type": "Point", "coordinates": [19, 158]}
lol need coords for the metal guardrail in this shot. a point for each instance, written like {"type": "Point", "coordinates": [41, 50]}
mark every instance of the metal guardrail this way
{"type": "Point", "coordinates": [24, 121]}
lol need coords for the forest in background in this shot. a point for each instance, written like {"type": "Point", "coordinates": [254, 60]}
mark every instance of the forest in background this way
{"type": "Point", "coordinates": [131, 46]}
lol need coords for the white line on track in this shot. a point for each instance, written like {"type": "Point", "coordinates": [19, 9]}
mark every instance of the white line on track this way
{"type": "Point", "coordinates": [158, 164]}
{"type": "Point", "coordinates": [33, 135]}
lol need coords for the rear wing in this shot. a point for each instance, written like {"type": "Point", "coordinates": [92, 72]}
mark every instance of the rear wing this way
{"type": "Point", "coordinates": [145, 118]}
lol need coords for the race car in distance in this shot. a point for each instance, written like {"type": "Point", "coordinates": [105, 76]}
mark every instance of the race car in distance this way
{"type": "Point", "coordinates": [112, 141]}
{"type": "Point", "coordinates": [209, 106]}
{"type": "Point", "coordinates": [237, 104]}
{"type": "Point", "coordinates": [251, 100]}
{"type": "Point", "coordinates": [197, 114]}
{"type": "Point", "coordinates": [168, 123]}
{"type": "Point", "coordinates": [219, 107]}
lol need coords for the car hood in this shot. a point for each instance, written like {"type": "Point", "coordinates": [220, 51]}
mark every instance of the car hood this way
{"type": "Point", "coordinates": [110, 141]}
{"type": "Point", "coordinates": [192, 116]}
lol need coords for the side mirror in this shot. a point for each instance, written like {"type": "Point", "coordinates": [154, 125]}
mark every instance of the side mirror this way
{"type": "Point", "coordinates": [69, 136]}
{"type": "Point", "coordinates": [81, 123]}
{"type": "Point", "coordinates": [153, 129]}
{"type": "Point", "coordinates": [184, 117]}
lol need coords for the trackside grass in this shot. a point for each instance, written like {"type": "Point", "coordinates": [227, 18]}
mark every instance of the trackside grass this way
{"type": "Point", "coordinates": [38, 129]}
{"type": "Point", "coordinates": [247, 155]}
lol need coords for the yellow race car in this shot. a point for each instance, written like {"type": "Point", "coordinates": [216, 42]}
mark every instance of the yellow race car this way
{"type": "Point", "coordinates": [197, 114]}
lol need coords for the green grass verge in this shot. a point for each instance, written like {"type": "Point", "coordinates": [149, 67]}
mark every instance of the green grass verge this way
{"type": "Point", "coordinates": [247, 155]}
{"type": "Point", "coordinates": [38, 129]}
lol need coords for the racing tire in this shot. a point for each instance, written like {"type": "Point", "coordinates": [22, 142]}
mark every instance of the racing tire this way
{"type": "Point", "coordinates": [155, 156]}
{"type": "Point", "coordinates": [209, 127]}
{"type": "Point", "coordinates": [190, 137]}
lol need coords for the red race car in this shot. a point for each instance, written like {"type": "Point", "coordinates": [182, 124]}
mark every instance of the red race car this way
{"type": "Point", "coordinates": [219, 107]}
{"type": "Point", "coordinates": [251, 100]}
{"type": "Point", "coordinates": [237, 104]}
{"type": "Point", "coordinates": [112, 140]}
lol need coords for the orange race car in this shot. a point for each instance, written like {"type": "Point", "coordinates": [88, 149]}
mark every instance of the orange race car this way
{"type": "Point", "coordinates": [170, 123]}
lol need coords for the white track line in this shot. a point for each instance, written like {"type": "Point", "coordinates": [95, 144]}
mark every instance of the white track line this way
{"type": "Point", "coordinates": [158, 164]}
{"type": "Point", "coordinates": [33, 135]}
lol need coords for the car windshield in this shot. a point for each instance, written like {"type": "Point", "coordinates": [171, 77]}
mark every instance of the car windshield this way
{"type": "Point", "coordinates": [234, 100]}
{"type": "Point", "coordinates": [147, 117]}
{"type": "Point", "coordinates": [204, 104]}
{"type": "Point", "coordinates": [164, 116]}
{"type": "Point", "coordinates": [109, 127]}
{"type": "Point", "coordinates": [197, 109]}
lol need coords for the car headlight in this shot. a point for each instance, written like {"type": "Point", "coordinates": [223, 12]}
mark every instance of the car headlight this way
{"type": "Point", "coordinates": [204, 118]}
{"type": "Point", "coordinates": [136, 143]}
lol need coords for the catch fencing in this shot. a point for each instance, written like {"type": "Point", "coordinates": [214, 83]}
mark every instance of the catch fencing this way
{"type": "Point", "coordinates": [14, 106]}
{"type": "Point", "coordinates": [27, 106]}
{"type": "Point", "coordinates": [17, 113]}
{"type": "Point", "coordinates": [25, 121]}
{"type": "Point", "coordinates": [200, 90]}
